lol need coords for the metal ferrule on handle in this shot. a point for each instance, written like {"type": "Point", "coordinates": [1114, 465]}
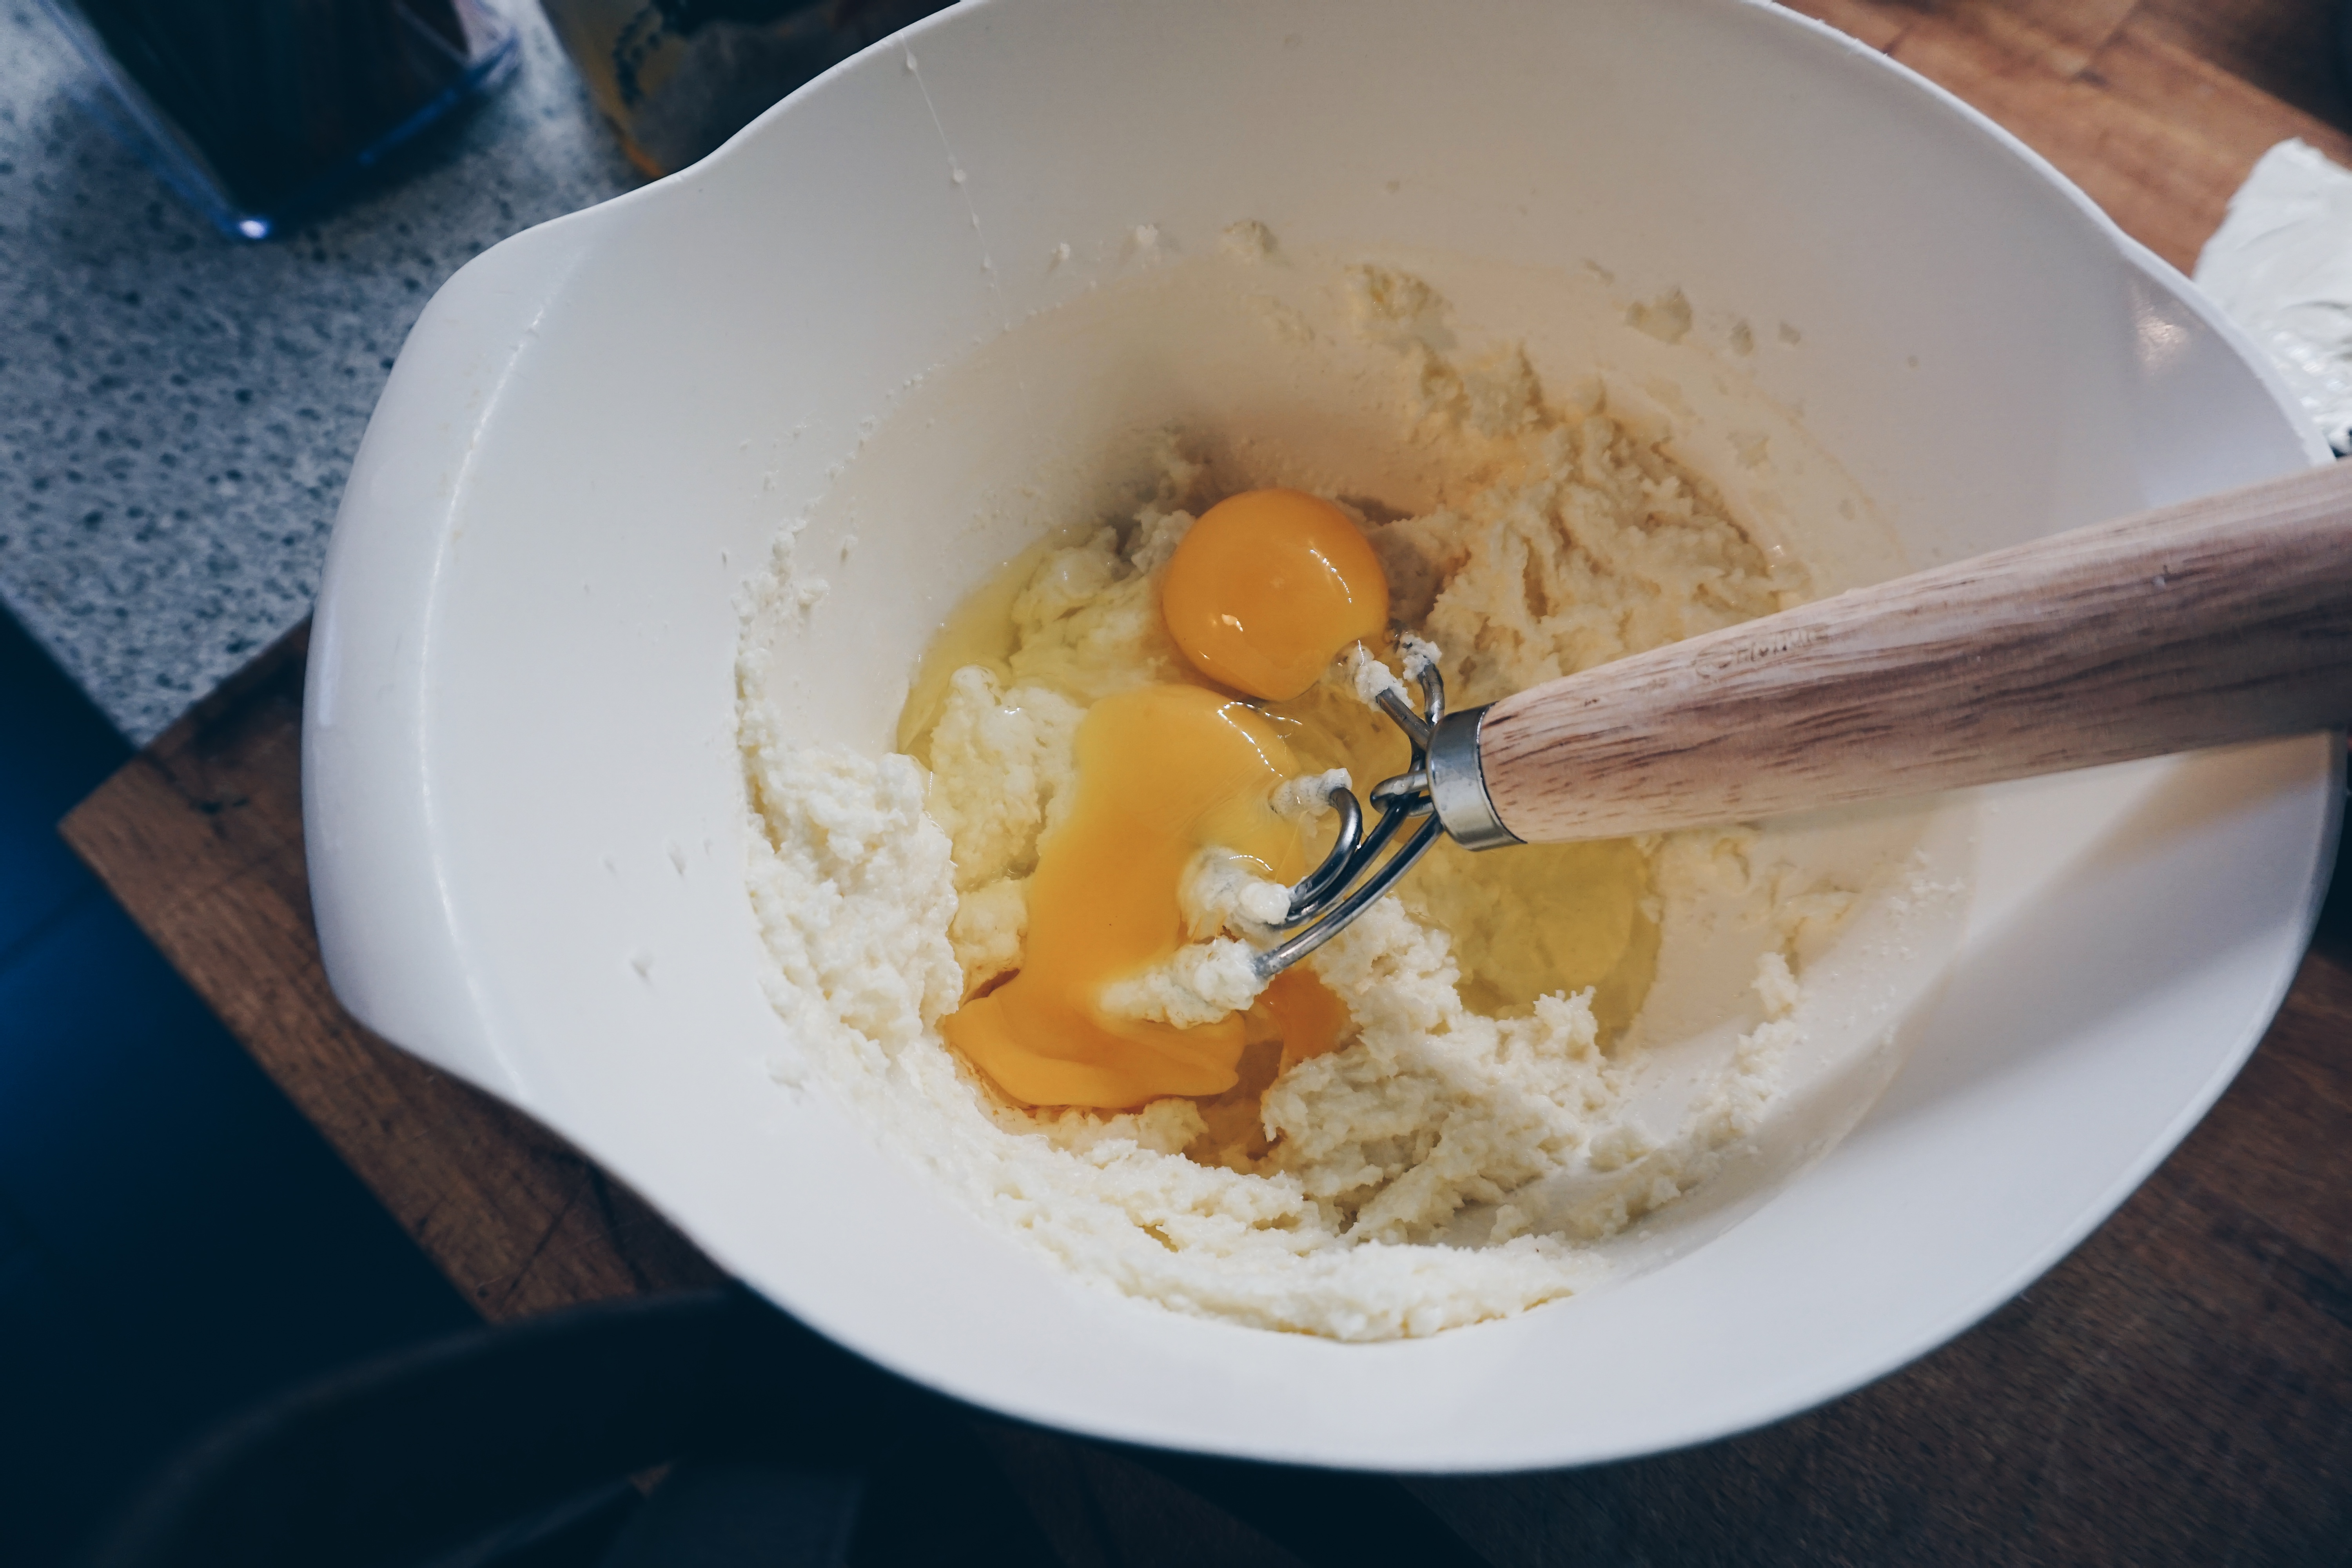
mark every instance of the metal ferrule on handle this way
{"type": "Point", "coordinates": [1444, 791]}
{"type": "Point", "coordinates": [1457, 784]}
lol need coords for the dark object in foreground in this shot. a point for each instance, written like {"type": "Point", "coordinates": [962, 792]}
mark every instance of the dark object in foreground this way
{"type": "Point", "coordinates": [515, 1446]}
{"type": "Point", "coordinates": [258, 109]}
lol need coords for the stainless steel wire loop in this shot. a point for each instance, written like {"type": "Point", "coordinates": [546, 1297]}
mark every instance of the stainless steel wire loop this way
{"type": "Point", "coordinates": [1354, 874]}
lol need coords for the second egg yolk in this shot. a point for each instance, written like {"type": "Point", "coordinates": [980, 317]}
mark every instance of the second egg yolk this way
{"type": "Point", "coordinates": [1163, 771]}
{"type": "Point", "coordinates": [1262, 594]}
{"type": "Point", "coordinates": [1268, 587]}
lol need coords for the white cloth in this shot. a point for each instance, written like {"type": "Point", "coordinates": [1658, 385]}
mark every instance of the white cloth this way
{"type": "Point", "coordinates": [2281, 266]}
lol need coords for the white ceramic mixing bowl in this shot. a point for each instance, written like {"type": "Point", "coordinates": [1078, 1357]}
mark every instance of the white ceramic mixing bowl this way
{"type": "Point", "coordinates": [524, 815]}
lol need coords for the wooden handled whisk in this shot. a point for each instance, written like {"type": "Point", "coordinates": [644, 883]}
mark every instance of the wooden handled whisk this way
{"type": "Point", "coordinates": [2219, 620]}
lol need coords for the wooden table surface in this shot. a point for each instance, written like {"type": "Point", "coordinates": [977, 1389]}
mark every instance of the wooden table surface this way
{"type": "Point", "coordinates": [2178, 1391]}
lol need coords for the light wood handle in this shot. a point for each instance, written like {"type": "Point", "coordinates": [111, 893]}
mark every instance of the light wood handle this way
{"type": "Point", "coordinates": [2224, 619]}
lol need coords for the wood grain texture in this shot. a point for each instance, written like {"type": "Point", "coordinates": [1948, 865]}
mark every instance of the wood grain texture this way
{"type": "Point", "coordinates": [2118, 96]}
{"type": "Point", "coordinates": [2289, 50]}
{"type": "Point", "coordinates": [2177, 1392]}
{"type": "Point", "coordinates": [2223, 619]}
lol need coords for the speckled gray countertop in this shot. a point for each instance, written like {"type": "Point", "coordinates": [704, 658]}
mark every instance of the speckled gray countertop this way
{"type": "Point", "coordinates": [178, 410]}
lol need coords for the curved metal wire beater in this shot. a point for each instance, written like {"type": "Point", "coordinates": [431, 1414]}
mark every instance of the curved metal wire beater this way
{"type": "Point", "coordinates": [1354, 875]}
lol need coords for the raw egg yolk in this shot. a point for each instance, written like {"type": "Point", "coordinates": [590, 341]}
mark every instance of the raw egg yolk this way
{"type": "Point", "coordinates": [1304, 1015]}
{"type": "Point", "coordinates": [1163, 771]}
{"type": "Point", "coordinates": [1268, 587]}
